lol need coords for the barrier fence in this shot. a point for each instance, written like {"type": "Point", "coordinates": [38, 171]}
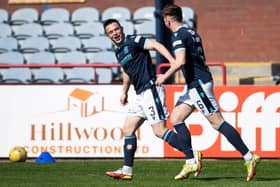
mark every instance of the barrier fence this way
{"type": "Point", "coordinates": [101, 65]}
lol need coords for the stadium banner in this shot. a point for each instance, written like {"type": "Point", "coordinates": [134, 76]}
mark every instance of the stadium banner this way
{"type": "Point", "coordinates": [85, 121]}
{"type": "Point", "coordinates": [69, 121]}
{"type": "Point", "coordinates": [253, 110]}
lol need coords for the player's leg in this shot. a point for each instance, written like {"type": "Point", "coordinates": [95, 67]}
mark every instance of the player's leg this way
{"type": "Point", "coordinates": [182, 110]}
{"type": "Point", "coordinates": [235, 139]}
{"type": "Point", "coordinates": [132, 123]}
{"type": "Point", "coordinates": [156, 113]}
{"type": "Point", "coordinates": [207, 104]}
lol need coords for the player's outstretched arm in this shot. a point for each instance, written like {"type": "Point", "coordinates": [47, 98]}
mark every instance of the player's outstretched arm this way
{"type": "Point", "coordinates": [154, 45]}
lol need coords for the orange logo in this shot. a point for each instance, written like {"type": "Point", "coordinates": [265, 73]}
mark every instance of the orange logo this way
{"type": "Point", "coordinates": [85, 102]}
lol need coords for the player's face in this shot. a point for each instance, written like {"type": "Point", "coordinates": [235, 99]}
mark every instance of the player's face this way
{"type": "Point", "coordinates": [115, 32]}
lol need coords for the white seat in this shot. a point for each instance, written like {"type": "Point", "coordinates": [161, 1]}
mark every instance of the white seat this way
{"type": "Point", "coordinates": [84, 15]}
{"type": "Point", "coordinates": [58, 30]}
{"type": "Point", "coordinates": [5, 30]}
{"type": "Point", "coordinates": [188, 16]}
{"type": "Point", "coordinates": [34, 44]}
{"type": "Point", "coordinates": [65, 44]}
{"type": "Point", "coordinates": [55, 15]}
{"type": "Point", "coordinates": [116, 12]}
{"type": "Point", "coordinates": [89, 30]}
{"type": "Point", "coordinates": [96, 44]}
{"type": "Point", "coordinates": [105, 57]}
{"type": "Point", "coordinates": [27, 30]}
{"type": "Point", "coordinates": [72, 57]}
{"type": "Point", "coordinates": [24, 15]}
{"type": "Point", "coordinates": [146, 29]}
{"type": "Point", "coordinates": [47, 75]}
{"type": "Point", "coordinates": [11, 57]}
{"type": "Point", "coordinates": [128, 27]}
{"type": "Point", "coordinates": [16, 75]}
{"type": "Point", "coordinates": [8, 44]}
{"type": "Point", "coordinates": [43, 57]}
{"type": "Point", "coordinates": [79, 75]}
{"type": "Point", "coordinates": [4, 15]}
{"type": "Point", "coordinates": [142, 14]}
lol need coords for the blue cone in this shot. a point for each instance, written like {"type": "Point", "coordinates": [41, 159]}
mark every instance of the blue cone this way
{"type": "Point", "coordinates": [45, 157]}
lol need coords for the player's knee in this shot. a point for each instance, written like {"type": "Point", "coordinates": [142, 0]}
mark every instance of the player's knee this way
{"type": "Point", "coordinates": [127, 131]}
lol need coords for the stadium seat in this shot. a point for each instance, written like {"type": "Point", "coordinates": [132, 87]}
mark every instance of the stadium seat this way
{"type": "Point", "coordinates": [72, 57]}
{"type": "Point", "coordinates": [8, 44]}
{"type": "Point", "coordinates": [146, 29]}
{"type": "Point", "coordinates": [43, 57]}
{"type": "Point", "coordinates": [128, 27]}
{"type": "Point", "coordinates": [79, 75]}
{"type": "Point", "coordinates": [4, 16]}
{"type": "Point", "coordinates": [116, 12]}
{"type": "Point", "coordinates": [188, 16]}
{"type": "Point", "coordinates": [5, 30]}
{"type": "Point", "coordinates": [11, 57]}
{"type": "Point", "coordinates": [34, 44]}
{"type": "Point", "coordinates": [58, 30]}
{"type": "Point", "coordinates": [27, 30]}
{"type": "Point", "coordinates": [142, 14]}
{"type": "Point", "coordinates": [65, 44]}
{"type": "Point", "coordinates": [47, 75]}
{"type": "Point", "coordinates": [105, 75]}
{"type": "Point", "coordinates": [85, 15]}
{"type": "Point", "coordinates": [89, 30]}
{"type": "Point", "coordinates": [16, 75]}
{"type": "Point", "coordinates": [96, 44]}
{"type": "Point", "coordinates": [55, 15]}
{"type": "Point", "coordinates": [24, 15]}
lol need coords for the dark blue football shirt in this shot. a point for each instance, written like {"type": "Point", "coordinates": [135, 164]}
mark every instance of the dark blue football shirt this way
{"type": "Point", "coordinates": [136, 62]}
{"type": "Point", "coordinates": [195, 68]}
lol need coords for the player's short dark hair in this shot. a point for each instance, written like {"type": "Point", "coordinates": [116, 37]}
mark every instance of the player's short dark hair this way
{"type": "Point", "coordinates": [173, 11]}
{"type": "Point", "coordinates": [109, 21]}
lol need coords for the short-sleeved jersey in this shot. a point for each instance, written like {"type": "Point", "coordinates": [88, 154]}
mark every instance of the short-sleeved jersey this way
{"type": "Point", "coordinates": [195, 68]}
{"type": "Point", "coordinates": [136, 62]}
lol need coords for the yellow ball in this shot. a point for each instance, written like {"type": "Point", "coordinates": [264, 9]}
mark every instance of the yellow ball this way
{"type": "Point", "coordinates": [18, 154]}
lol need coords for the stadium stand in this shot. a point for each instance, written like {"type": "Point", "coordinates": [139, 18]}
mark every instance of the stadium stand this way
{"type": "Point", "coordinates": [8, 44]}
{"type": "Point", "coordinates": [96, 44]}
{"type": "Point", "coordinates": [55, 15]}
{"type": "Point", "coordinates": [34, 44]}
{"type": "Point", "coordinates": [42, 57]}
{"type": "Point", "coordinates": [24, 15]}
{"type": "Point", "coordinates": [12, 57]}
{"type": "Point", "coordinates": [142, 14]}
{"type": "Point", "coordinates": [128, 27]}
{"type": "Point", "coordinates": [4, 16]}
{"type": "Point", "coordinates": [52, 28]}
{"type": "Point", "coordinates": [5, 30]}
{"type": "Point", "coordinates": [72, 57]}
{"type": "Point", "coordinates": [16, 75]}
{"type": "Point", "coordinates": [85, 15]}
{"type": "Point", "coordinates": [117, 12]}
{"type": "Point", "coordinates": [146, 29]}
{"type": "Point", "coordinates": [89, 30]}
{"type": "Point", "coordinates": [27, 30]}
{"type": "Point", "coordinates": [79, 75]}
{"type": "Point", "coordinates": [58, 30]}
{"type": "Point", "coordinates": [65, 44]}
{"type": "Point", "coordinates": [47, 75]}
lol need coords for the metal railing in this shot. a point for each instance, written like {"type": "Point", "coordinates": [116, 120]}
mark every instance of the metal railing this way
{"type": "Point", "coordinates": [221, 64]}
{"type": "Point", "coordinates": [102, 65]}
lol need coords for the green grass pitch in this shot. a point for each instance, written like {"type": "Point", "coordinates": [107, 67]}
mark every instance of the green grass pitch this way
{"type": "Point", "coordinates": [147, 173]}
